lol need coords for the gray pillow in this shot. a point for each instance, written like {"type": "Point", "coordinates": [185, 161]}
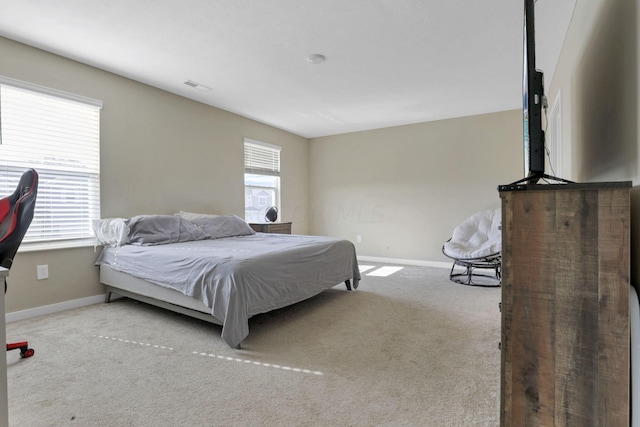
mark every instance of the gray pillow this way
{"type": "Point", "coordinates": [224, 226]}
{"type": "Point", "coordinates": [161, 229]}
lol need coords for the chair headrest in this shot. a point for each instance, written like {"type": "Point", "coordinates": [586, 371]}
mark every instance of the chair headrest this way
{"type": "Point", "coordinates": [16, 214]}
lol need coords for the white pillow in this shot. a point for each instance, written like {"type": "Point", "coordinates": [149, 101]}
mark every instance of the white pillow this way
{"type": "Point", "coordinates": [191, 216]}
{"type": "Point", "coordinates": [111, 231]}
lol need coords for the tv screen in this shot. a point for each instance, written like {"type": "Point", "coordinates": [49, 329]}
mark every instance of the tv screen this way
{"type": "Point", "coordinates": [533, 100]}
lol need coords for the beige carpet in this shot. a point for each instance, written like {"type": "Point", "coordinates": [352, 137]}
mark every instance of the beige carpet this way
{"type": "Point", "coordinates": [412, 349]}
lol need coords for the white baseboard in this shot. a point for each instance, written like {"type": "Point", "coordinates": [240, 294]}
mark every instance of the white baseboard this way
{"type": "Point", "coordinates": [420, 263]}
{"type": "Point", "coordinates": [52, 308]}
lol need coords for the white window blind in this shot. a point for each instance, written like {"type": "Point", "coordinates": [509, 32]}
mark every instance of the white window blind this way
{"type": "Point", "coordinates": [57, 134]}
{"type": "Point", "coordinates": [261, 158]}
{"type": "Point", "coordinates": [261, 179]}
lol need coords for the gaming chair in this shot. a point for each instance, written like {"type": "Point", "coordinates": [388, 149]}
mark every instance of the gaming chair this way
{"type": "Point", "coordinates": [16, 213]}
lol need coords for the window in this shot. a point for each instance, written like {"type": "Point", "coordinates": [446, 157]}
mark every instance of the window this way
{"type": "Point", "coordinates": [57, 134]}
{"type": "Point", "coordinates": [261, 179]}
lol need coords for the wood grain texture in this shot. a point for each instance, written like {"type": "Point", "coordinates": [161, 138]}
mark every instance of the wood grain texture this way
{"type": "Point", "coordinates": [565, 314]}
{"type": "Point", "coordinates": [576, 344]}
{"type": "Point", "coordinates": [271, 227]}
{"type": "Point", "coordinates": [506, 310]}
{"type": "Point", "coordinates": [613, 308]}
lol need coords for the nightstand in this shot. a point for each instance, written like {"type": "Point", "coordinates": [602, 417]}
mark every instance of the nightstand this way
{"type": "Point", "coordinates": [272, 227]}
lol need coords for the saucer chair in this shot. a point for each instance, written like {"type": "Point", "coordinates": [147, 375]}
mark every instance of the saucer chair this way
{"type": "Point", "coordinates": [475, 247]}
{"type": "Point", "coordinates": [16, 213]}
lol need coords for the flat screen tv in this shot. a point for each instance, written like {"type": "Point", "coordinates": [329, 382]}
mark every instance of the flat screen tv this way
{"type": "Point", "coordinates": [533, 101]}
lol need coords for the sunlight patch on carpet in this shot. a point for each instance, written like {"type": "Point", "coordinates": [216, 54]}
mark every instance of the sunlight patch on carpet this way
{"type": "Point", "coordinates": [143, 344]}
{"type": "Point", "coordinates": [364, 268]}
{"type": "Point", "coordinates": [216, 356]}
{"type": "Point", "coordinates": [385, 271]}
{"type": "Point", "coordinates": [266, 365]}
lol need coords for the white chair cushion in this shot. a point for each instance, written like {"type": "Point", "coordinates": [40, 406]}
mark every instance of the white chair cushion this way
{"type": "Point", "coordinates": [478, 236]}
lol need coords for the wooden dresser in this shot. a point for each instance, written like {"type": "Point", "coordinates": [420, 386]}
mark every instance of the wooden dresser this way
{"type": "Point", "coordinates": [272, 227]}
{"type": "Point", "coordinates": [565, 305]}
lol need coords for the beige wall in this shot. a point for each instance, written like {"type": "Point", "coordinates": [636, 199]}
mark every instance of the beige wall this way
{"type": "Point", "coordinates": [403, 189]}
{"type": "Point", "coordinates": [160, 153]}
{"type": "Point", "coordinates": [597, 82]}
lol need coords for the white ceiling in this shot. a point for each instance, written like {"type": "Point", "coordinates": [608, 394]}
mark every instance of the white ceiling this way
{"type": "Point", "coordinates": [389, 62]}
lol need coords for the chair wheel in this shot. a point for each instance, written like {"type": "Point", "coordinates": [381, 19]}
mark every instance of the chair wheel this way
{"type": "Point", "coordinates": [27, 353]}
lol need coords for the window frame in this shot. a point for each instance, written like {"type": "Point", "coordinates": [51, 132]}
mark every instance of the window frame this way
{"type": "Point", "coordinates": [90, 193]}
{"type": "Point", "coordinates": [262, 167]}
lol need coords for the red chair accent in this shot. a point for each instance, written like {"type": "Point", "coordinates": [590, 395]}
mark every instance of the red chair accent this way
{"type": "Point", "coordinates": [16, 213]}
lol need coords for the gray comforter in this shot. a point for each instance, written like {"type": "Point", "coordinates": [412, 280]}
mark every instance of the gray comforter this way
{"type": "Point", "coordinates": [238, 277]}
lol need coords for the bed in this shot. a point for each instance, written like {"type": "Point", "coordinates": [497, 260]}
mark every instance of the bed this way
{"type": "Point", "coordinates": [218, 269]}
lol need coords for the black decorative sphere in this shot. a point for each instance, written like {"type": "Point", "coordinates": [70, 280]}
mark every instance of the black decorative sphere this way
{"type": "Point", "coordinates": [272, 214]}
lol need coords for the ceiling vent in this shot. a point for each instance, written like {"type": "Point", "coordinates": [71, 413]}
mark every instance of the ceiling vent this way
{"type": "Point", "coordinates": [197, 86]}
{"type": "Point", "coordinates": [316, 58]}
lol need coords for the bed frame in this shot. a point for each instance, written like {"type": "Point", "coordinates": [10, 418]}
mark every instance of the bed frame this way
{"type": "Point", "coordinates": [139, 289]}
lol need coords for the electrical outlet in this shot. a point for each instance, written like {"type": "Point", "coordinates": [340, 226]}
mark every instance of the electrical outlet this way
{"type": "Point", "coordinates": [359, 239]}
{"type": "Point", "coordinates": [42, 272]}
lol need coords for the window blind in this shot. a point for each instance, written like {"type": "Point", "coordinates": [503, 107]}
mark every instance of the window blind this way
{"type": "Point", "coordinates": [261, 158]}
{"type": "Point", "coordinates": [59, 136]}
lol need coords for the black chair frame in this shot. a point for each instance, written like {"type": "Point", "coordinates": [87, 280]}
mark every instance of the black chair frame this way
{"type": "Point", "coordinates": [470, 265]}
